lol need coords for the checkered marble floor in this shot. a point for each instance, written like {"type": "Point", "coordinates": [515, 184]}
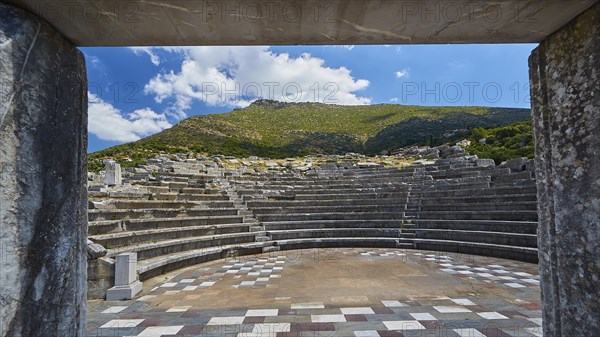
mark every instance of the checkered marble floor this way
{"type": "Point", "coordinates": [508, 273]}
{"type": "Point", "coordinates": [249, 271]}
{"type": "Point", "coordinates": [212, 299]}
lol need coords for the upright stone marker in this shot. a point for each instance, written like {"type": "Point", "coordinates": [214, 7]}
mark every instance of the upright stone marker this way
{"type": "Point", "coordinates": [126, 282]}
{"type": "Point", "coordinates": [113, 175]}
{"type": "Point", "coordinates": [565, 91]}
{"type": "Point", "coordinates": [43, 199]}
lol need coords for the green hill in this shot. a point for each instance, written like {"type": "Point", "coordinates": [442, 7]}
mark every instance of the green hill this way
{"type": "Point", "coordinates": [504, 142]}
{"type": "Point", "coordinates": [275, 129]}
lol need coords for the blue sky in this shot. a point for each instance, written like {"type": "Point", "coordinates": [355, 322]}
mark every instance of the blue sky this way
{"type": "Point", "coordinates": [136, 92]}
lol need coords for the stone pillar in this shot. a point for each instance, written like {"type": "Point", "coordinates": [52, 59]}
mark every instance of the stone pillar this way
{"type": "Point", "coordinates": [43, 201]}
{"type": "Point", "coordinates": [113, 175]}
{"type": "Point", "coordinates": [127, 284]}
{"type": "Point", "coordinates": [565, 91]}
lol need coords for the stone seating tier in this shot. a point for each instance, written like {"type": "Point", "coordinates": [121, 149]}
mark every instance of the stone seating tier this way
{"type": "Point", "coordinates": [189, 218]}
{"type": "Point", "coordinates": [475, 215]}
{"type": "Point", "coordinates": [158, 249]}
{"type": "Point", "coordinates": [121, 214]}
{"type": "Point", "coordinates": [453, 205]}
{"type": "Point", "coordinates": [256, 204]}
{"type": "Point", "coordinates": [398, 208]}
{"type": "Point", "coordinates": [330, 216]}
{"type": "Point", "coordinates": [112, 226]}
{"type": "Point", "coordinates": [130, 237]}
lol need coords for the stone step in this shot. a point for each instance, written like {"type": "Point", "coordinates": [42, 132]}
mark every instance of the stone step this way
{"type": "Point", "coordinates": [500, 238]}
{"type": "Point", "coordinates": [315, 191]}
{"type": "Point", "coordinates": [508, 178]}
{"type": "Point", "coordinates": [259, 211]}
{"type": "Point", "coordinates": [482, 206]}
{"type": "Point", "coordinates": [320, 186]}
{"type": "Point", "coordinates": [340, 177]}
{"type": "Point", "coordinates": [480, 191]}
{"type": "Point", "coordinates": [357, 190]}
{"type": "Point", "coordinates": [189, 190]}
{"type": "Point", "coordinates": [104, 226]}
{"type": "Point", "coordinates": [455, 186]}
{"type": "Point", "coordinates": [476, 215]}
{"type": "Point", "coordinates": [122, 214]}
{"type": "Point", "coordinates": [189, 176]}
{"type": "Point", "coordinates": [159, 265]}
{"type": "Point", "coordinates": [112, 226]}
{"type": "Point", "coordinates": [269, 249]}
{"type": "Point", "coordinates": [140, 204]}
{"type": "Point", "coordinates": [317, 224]}
{"type": "Point", "coordinates": [522, 227]}
{"type": "Point", "coordinates": [532, 197]}
{"type": "Point", "coordinates": [172, 186]}
{"type": "Point", "coordinates": [155, 249]}
{"type": "Point", "coordinates": [338, 232]}
{"type": "Point", "coordinates": [526, 254]}
{"type": "Point", "coordinates": [382, 195]}
{"type": "Point", "coordinates": [334, 183]}
{"type": "Point", "coordinates": [127, 238]}
{"type": "Point", "coordinates": [331, 216]}
{"type": "Point", "coordinates": [310, 203]}
{"type": "Point", "coordinates": [371, 242]}
{"type": "Point", "coordinates": [193, 190]}
{"type": "Point", "coordinates": [458, 170]}
{"type": "Point", "coordinates": [191, 197]}
{"type": "Point", "coordinates": [97, 196]}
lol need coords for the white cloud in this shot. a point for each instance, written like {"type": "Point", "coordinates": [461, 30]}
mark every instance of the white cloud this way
{"type": "Point", "coordinates": [109, 123]}
{"type": "Point", "coordinates": [397, 48]}
{"type": "Point", "coordinates": [94, 61]}
{"type": "Point", "coordinates": [344, 46]}
{"type": "Point", "coordinates": [236, 76]}
{"type": "Point", "coordinates": [96, 64]}
{"type": "Point", "coordinates": [394, 99]}
{"type": "Point", "coordinates": [402, 73]}
{"type": "Point", "coordinates": [148, 51]}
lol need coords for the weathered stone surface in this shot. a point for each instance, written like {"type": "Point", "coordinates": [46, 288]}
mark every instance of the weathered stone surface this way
{"type": "Point", "coordinates": [95, 250]}
{"type": "Point", "coordinates": [565, 82]}
{"type": "Point", "coordinates": [243, 22]}
{"type": "Point", "coordinates": [432, 154]}
{"type": "Point", "coordinates": [101, 277]}
{"type": "Point", "coordinates": [328, 166]}
{"type": "Point", "coordinates": [43, 174]}
{"type": "Point", "coordinates": [126, 279]}
{"type": "Point", "coordinates": [367, 164]}
{"type": "Point", "coordinates": [113, 176]}
{"type": "Point", "coordinates": [515, 165]}
{"type": "Point", "coordinates": [530, 165]}
{"type": "Point", "coordinates": [485, 162]}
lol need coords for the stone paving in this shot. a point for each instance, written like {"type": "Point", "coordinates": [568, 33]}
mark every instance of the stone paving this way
{"type": "Point", "coordinates": [333, 292]}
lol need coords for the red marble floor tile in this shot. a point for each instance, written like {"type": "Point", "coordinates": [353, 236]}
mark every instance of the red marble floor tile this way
{"type": "Point", "coordinates": [355, 318]}
{"type": "Point", "coordinates": [382, 310]}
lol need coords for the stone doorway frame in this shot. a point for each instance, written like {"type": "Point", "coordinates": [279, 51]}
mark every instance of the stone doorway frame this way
{"type": "Point", "coordinates": [43, 166]}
